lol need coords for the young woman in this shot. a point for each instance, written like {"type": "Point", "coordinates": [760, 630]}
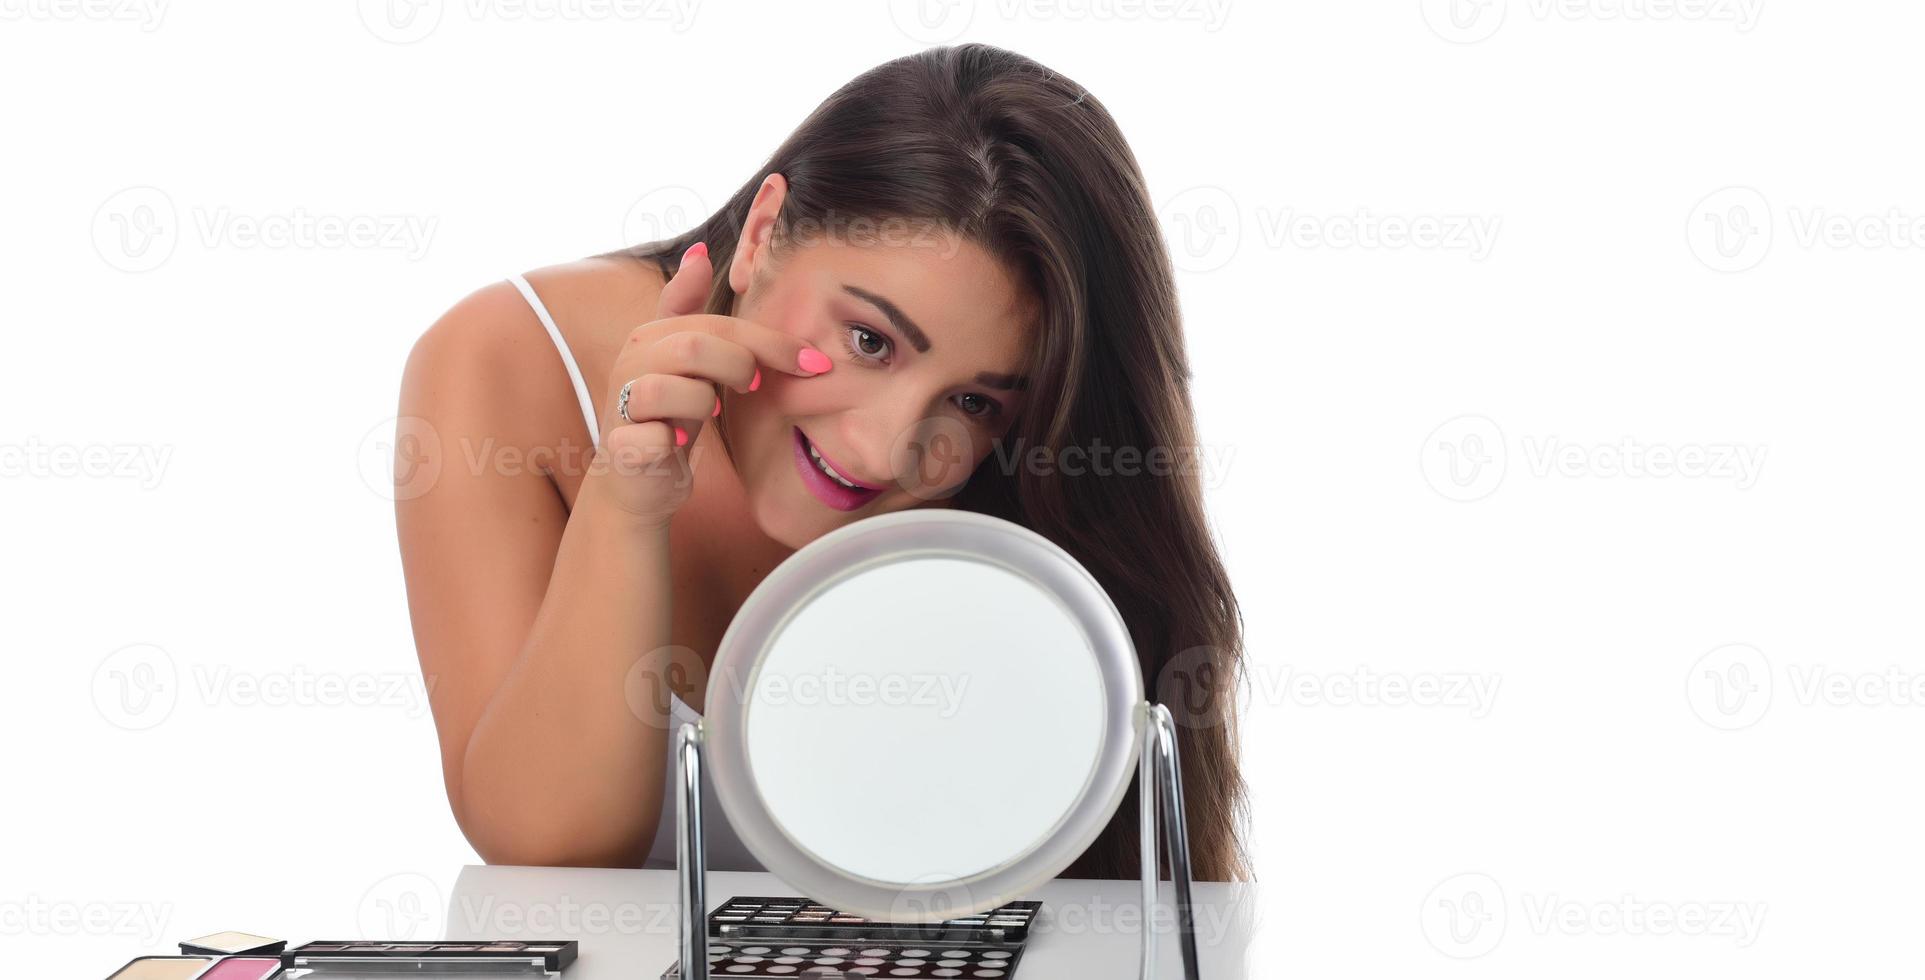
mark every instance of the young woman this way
{"type": "Point", "coordinates": [951, 263]}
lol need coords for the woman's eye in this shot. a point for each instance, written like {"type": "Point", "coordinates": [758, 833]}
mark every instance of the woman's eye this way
{"type": "Point", "coordinates": [989, 408]}
{"type": "Point", "coordinates": [864, 344]}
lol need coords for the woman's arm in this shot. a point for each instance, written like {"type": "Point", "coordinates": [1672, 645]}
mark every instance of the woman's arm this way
{"type": "Point", "coordinates": [527, 620]}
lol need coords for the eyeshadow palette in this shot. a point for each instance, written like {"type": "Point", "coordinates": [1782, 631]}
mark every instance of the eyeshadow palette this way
{"type": "Point", "coordinates": [800, 918]}
{"type": "Point", "coordinates": [199, 968]}
{"type": "Point", "coordinates": [811, 960]}
{"type": "Point", "coordinates": [763, 937]}
{"type": "Point", "coordinates": [467, 957]}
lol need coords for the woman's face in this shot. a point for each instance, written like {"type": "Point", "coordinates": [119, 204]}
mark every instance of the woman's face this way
{"type": "Point", "coordinates": [926, 333]}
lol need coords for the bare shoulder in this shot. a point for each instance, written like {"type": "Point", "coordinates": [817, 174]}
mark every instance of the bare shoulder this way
{"type": "Point", "coordinates": [489, 353]}
{"type": "Point", "coordinates": [597, 301]}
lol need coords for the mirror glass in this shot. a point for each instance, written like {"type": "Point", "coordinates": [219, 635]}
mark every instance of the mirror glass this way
{"type": "Point", "coordinates": [924, 718]}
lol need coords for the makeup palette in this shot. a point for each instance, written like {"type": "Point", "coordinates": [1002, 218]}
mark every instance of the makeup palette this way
{"type": "Point", "coordinates": [199, 968]}
{"type": "Point", "coordinates": [469, 958]}
{"type": "Point", "coordinates": [772, 937]}
{"type": "Point", "coordinates": [245, 956]}
{"type": "Point", "coordinates": [233, 943]}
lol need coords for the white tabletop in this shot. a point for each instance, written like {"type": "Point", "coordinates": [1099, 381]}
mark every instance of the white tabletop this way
{"type": "Point", "coordinates": [626, 920]}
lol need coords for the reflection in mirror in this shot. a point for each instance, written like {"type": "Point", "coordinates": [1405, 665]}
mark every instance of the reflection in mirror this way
{"type": "Point", "coordinates": [969, 686]}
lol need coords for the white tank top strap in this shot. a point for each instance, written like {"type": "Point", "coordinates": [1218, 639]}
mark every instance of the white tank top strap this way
{"type": "Point", "coordinates": [567, 358]}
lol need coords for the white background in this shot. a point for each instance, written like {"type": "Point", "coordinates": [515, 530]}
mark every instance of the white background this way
{"type": "Point", "coordinates": [1506, 462]}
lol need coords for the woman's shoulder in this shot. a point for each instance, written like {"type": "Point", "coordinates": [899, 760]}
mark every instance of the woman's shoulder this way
{"type": "Point", "coordinates": [490, 337]}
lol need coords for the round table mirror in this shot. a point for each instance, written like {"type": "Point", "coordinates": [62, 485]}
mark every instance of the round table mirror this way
{"type": "Point", "coordinates": [923, 715]}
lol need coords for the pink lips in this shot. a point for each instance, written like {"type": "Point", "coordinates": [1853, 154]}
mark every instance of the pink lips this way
{"type": "Point", "coordinates": [826, 490]}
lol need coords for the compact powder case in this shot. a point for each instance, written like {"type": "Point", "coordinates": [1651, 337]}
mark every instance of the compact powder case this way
{"type": "Point", "coordinates": [775, 937]}
{"type": "Point", "coordinates": [231, 944]}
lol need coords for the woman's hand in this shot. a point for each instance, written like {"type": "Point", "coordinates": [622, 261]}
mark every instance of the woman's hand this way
{"type": "Point", "coordinates": [673, 367]}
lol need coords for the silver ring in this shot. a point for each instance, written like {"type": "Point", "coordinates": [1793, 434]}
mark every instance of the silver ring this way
{"type": "Point", "coordinates": [621, 404]}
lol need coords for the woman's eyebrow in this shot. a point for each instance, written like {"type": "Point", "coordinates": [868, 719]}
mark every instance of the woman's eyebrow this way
{"type": "Point", "coordinates": [901, 320]}
{"type": "Point", "coordinates": [920, 340]}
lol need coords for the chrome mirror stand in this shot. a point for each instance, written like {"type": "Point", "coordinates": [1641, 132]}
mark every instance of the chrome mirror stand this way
{"type": "Point", "coordinates": [1159, 787]}
{"type": "Point", "coordinates": [691, 854]}
{"type": "Point", "coordinates": [1159, 780]}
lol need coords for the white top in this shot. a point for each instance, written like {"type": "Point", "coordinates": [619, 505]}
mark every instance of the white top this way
{"type": "Point", "coordinates": [726, 851]}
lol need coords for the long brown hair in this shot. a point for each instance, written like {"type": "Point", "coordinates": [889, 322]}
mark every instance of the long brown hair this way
{"type": "Point", "coordinates": [1024, 162]}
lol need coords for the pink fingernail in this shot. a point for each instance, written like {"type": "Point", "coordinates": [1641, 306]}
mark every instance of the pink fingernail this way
{"type": "Point", "coordinates": [756, 382]}
{"type": "Point", "coordinates": [681, 438]}
{"type": "Point", "coordinates": [699, 248]}
{"type": "Point", "coordinates": [812, 360]}
{"type": "Point", "coordinates": [718, 407]}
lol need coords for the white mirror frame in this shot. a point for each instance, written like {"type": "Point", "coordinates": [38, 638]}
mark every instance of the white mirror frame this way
{"type": "Point", "coordinates": [1136, 733]}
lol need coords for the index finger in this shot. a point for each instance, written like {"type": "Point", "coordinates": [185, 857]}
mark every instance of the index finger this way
{"type": "Point", "coordinates": [782, 351]}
